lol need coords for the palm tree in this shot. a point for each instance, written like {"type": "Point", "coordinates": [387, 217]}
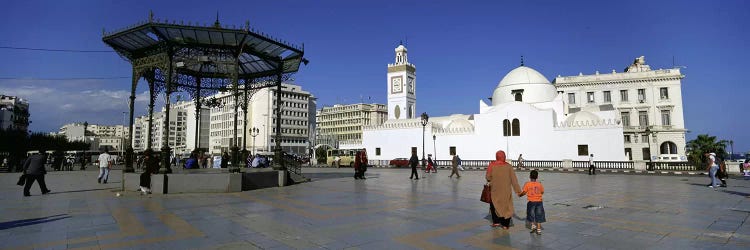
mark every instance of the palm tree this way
{"type": "Point", "coordinates": [705, 144]}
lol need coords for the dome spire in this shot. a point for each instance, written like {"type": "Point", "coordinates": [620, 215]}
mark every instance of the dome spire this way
{"type": "Point", "coordinates": [521, 60]}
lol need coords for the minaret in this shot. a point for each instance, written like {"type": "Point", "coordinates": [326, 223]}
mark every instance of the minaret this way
{"type": "Point", "coordinates": [402, 86]}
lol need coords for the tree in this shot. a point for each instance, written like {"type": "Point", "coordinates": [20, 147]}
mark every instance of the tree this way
{"type": "Point", "coordinates": [698, 147]}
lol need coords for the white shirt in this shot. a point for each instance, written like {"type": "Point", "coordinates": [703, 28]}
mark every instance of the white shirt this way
{"type": "Point", "coordinates": [713, 160]}
{"type": "Point", "coordinates": [104, 160]}
{"type": "Point", "coordinates": [591, 160]}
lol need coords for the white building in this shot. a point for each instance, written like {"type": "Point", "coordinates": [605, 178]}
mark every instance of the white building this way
{"type": "Point", "coordinates": [110, 137]}
{"type": "Point", "coordinates": [14, 113]}
{"type": "Point", "coordinates": [296, 121]}
{"type": "Point", "coordinates": [345, 122]}
{"type": "Point", "coordinates": [527, 116]}
{"type": "Point", "coordinates": [648, 102]}
{"type": "Point", "coordinates": [177, 130]}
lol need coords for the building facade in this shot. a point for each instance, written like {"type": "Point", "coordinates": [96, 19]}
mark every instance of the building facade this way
{"type": "Point", "coordinates": [14, 113]}
{"type": "Point", "coordinates": [402, 87]}
{"type": "Point", "coordinates": [110, 137]}
{"type": "Point", "coordinates": [177, 137]}
{"type": "Point", "coordinates": [648, 103]}
{"type": "Point", "coordinates": [297, 121]}
{"type": "Point", "coordinates": [345, 122]}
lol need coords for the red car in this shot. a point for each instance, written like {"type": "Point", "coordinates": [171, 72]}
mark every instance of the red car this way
{"type": "Point", "coordinates": [399, 162]}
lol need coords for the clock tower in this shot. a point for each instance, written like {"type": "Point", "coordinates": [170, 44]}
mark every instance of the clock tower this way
{"type": "Point", "coordinates": [402, 81]}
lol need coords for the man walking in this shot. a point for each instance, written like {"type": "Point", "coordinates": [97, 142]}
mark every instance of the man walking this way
{"type": "Point", "coordinates": [592, 168]}
{"type": "Point", "coordinates": [454, 167]}
{"type": "Point", "coordinates": [413, 162]}
{"type": "Point", "coordinates": [105, 163]}
{"type": "Point", "coordinates": [34, 170]}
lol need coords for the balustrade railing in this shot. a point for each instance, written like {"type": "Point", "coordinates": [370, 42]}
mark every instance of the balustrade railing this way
{"type": "Point", "coordinates": [605, 164]}
{"type": "Point", "coordinates": [527, 164]}
{"type": "Point", "coordinates": [674, 166]}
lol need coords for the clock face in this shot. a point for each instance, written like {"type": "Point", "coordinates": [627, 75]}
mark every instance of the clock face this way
{"type": "Point", "coordinates": [410, 83]}
{"type": "Point", "coordinates": [397, 112]}
{"type": "Point", "coordinates": [396, 85]}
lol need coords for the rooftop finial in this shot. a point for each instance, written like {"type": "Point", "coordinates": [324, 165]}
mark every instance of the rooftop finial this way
{"type": "Point", "coordinates": [521, 60]}
{"type": "Point", "coordinates": [400, 42]}
{"type": "Point", "coordinates": [217, 24]}
{"type": "Point", "coordinates": [150, 15]}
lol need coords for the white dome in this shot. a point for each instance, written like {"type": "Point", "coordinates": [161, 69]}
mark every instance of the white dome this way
{"type": "Point", "coordinates": [523, 75]}
{"type": "Point", "coordinates": [400, 48]}
{"type": "Point", "coordinates": [459, 123]}
{"type": "Point", "coordinates": [532, 86]}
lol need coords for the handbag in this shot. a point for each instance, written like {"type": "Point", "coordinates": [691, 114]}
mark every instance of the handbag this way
{"type": "Point", "coordinates": [486, 194]}
{"type": "Point", "coordinates": [21, 180]}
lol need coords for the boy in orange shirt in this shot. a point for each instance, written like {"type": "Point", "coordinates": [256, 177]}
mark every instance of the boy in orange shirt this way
{"type": "Point", "coordinates": [535, 207]}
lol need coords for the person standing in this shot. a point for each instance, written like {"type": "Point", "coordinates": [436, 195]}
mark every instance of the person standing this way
{"type": "Point", "coordinates": [454, 167]}
{"type": "Point", "coordinates": [105, 163]}
{"type": "Point", "coordinates": [592, 168]}
{"type": "Point", "coordinates": [33, 169]}
{"type": "Point", "coordinates": [502, 180]}
{"type": "Point", "coordinates": [413, 162]}
{"type": "Point", "coordinates": [520, 160]}
{"type": "Point", "coordinates": [224, 160]}
{"type": "Point", "coordinates": [535, 206]}
{"type": "Point", "coordinates": [358, 166]}
{"type": "Point", "coordinates": [430, 164]}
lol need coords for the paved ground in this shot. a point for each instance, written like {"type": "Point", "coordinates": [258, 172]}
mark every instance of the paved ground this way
{"type": "Point", "coordinates": [386, 211]}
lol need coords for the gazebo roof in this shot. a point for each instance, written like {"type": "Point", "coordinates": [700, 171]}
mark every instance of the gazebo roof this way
{"type": "Point", "coordinates": [208, 51]}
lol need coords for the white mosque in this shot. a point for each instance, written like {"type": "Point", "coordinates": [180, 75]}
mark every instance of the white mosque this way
{"type": "Point", "coordinates": [528, 115]}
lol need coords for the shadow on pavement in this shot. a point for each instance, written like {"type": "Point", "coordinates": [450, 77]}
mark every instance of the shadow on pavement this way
{"type": "Point", "coordinates": [28, 222]}
{"type": "Point", "coordinates": [736, 193]}
{"type": "Point", "coordinates": [78, 191]}
{"type": "Point", "coordinates": [324, 176]}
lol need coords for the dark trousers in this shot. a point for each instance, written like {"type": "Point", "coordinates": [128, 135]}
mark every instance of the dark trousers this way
{"type": "Point", "coordinates": [505, 222]}
{"type": "Point", "coordinates": [592, 169]}
{"type": "Point", "coordinates": [30, 181]}
{"type": "Point", "coordinates": [414, 172]}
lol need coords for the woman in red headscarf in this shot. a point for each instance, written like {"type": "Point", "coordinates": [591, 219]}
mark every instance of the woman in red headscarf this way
{"type": "Point", "coordinates": [502, 180]}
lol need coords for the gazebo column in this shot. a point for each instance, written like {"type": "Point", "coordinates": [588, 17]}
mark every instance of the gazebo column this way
{"type": "Point", "coordinates": [152, 99]}
{"type": "Point", "coordinates": [244, 125]}
{"type": "Point", "coordinates": [165, 150]}
{"type": "Point", "coordinates": [197, 113]}
{"type": "Point", "coordinates": [278, 162]}
{"type": "Point", "coordinates": [235, 148]}
{"type": "Point", "coordinates": [129, 152]}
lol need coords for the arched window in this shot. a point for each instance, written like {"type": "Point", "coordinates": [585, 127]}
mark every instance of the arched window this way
{"type": "Point", "coordinates": [668, 147]}
{"type": "Point", "coordinates": [518, 97]}
{"type": "Point", "coordinates": [516, 128]}
{"type": "Point", "coordinates": [506, 127]}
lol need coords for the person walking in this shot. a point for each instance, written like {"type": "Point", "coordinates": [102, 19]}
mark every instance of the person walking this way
{"type": "Point", "coordinates": [592, 168]}
{"type": "Point", "coordinates": [460, 167]}
{"type": "Point", "coordinates": [502, 181]}
{"type": "Point", "coordinates": [520, 160]}
{"type": "Point", "coordinates": [534, 207]}
{"type": "Point", "coordinates": [33, 169]}
{"type": "Point", "coordinates": [413, 162]}
{"type": "Point", "coordinates": [358, 166]}
{"type": "Point", "coordinates": [713, 168]}
{"type": "Point", "coordinates": [454, 167]}
{"type": "Point", "coordinates": [105, 163]}
{"type": "Point", "coordinates": [430, 164]}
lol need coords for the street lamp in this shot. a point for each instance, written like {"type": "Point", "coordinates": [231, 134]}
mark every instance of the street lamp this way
{"type": "Point", "coordinates": [434, 150]}
{"type": "Point", "coordinates": [425, 118]}
{"type": "Point", "coordinates": [254, 132]}
{"type": "Point", "coordinates": [650, 158]}
{"type": "Point", "coordinates": [83, 159]}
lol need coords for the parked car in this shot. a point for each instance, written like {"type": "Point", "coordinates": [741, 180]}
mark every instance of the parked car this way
{"type": "Point", "coordinates": [399, 162]}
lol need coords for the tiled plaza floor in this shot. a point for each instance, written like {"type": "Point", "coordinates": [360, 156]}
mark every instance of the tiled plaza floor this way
{"type": "Point", "coordinates": [386, 211]}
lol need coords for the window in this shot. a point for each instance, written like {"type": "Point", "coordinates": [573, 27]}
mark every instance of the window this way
{"type": "Point", "coordinates": [452, 151]}
{"type": "Point", "coordinates": [646, 153]}
{"type": "Point", "coordinates": [668, 147]}
{"type": "Point", "coordinates": [607, 96]}
{"type": "Point", "coordinates": [518, 97]}
{"type": "Point", "coordinates": [516, 128]}
{"type": "Point", "coordinates": [590, 97]}
{"type": "Point", "coordinates": [624, 95]}
{"type": "Point", "coordinates": [572, 98]}
{"type": "Point", "coordinates": [664, 93]}
{"type": "Point", "coordinates": [627, 138]}
{"type": "Point", "coordinates": [665, 118]}
{"type": "Point", "coordinates": [641, 95]}
{"type": "Point", "coordinates": [506, 127]}
{"type": "Point", "coordinates": [643, 118]}
{"type": "Point", "coordinates": [625, 116]}
{"type": "Point", "coordinates": [583, 150]}
{"type": "Point", "coordinates": [644, 138]}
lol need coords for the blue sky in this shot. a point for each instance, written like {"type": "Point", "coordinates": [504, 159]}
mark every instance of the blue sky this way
{"type": "Point", "coordinates": [461, 49]}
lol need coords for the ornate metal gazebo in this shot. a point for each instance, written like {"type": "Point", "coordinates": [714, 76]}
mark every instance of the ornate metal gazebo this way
{"type": "Point", "coordinates": [202, 60]}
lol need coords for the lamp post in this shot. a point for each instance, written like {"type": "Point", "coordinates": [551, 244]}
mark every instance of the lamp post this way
{"type": "Point", "coordinates": [731, 148]}
{"type": "Point", "coordinates": [83, 159]}
{"type": "Point", "coordinates": [254, 132]}
{"type": "Point", "coordinates": [650, 158]}
{"type": "Point", "coordinates": [434, 149]}
{"type": "Point", "coordinates": [425, 118]}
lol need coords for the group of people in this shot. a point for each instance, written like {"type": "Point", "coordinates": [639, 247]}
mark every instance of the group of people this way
{"type": "Point", "coordinates": [414, 161]}
{"type": "Point", "coordinates": [502, 182]}
{"type": "Point", "coordinates": [717, 171]}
